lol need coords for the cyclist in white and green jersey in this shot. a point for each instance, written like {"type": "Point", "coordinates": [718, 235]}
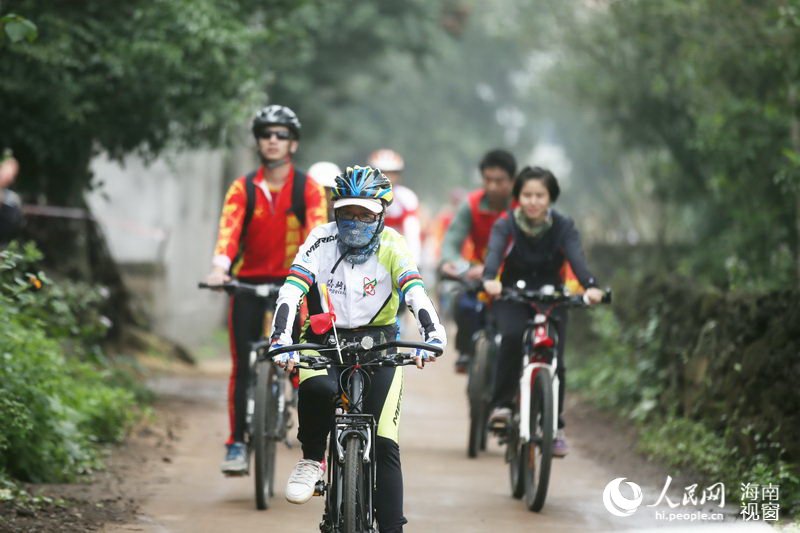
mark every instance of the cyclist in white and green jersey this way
{"type": "Point", "coordinates": [362, 266]}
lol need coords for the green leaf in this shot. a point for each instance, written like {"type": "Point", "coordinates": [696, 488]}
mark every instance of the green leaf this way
{"type": "Point", "coordinates": [18, 28]}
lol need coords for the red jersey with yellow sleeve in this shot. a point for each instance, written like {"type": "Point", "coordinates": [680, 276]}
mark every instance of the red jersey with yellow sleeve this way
{"type": "Point", "coordinates": [274, 233]}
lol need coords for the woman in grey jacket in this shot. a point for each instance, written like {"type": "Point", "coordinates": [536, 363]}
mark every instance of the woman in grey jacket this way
{"type": "Point", "coordinates": [532, 242]}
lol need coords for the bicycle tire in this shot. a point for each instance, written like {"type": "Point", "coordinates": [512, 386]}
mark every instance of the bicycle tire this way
{"type": "Point", "coordinates": [264, 419]}
{"type": "Point", "coordinates": [353, 497]}
{"type": "Point", "coordinates": [516, 469]}
{"type": "Point", "coordinates": [478, 381]}
{"type": "Point", "coordinates": [538, 451]}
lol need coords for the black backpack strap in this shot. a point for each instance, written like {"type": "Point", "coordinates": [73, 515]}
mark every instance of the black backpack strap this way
{"type": "Point", "coordinates": [299, 196]}
{"type": "Point", "coordinates": [250, 193]}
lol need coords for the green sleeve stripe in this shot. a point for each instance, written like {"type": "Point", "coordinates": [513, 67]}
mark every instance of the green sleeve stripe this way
{"type": "Point", "coordinates": [299, 284]}
{"type": "Point", "coordinates": [414, 283]}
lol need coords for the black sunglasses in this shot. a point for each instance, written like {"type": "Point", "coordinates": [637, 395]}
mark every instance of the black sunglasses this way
{"type": "Point", "coordinates": [279, 134]}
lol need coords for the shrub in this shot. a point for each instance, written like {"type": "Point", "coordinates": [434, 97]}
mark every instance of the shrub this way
{"type": "Point", "coordinates": [57, 395]}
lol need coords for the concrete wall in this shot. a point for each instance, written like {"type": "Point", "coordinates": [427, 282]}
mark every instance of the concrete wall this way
{"type": "Point", "coordinates": [160, 220]}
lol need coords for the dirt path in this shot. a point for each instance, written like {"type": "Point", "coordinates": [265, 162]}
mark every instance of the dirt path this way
{"type": "Point", "coordinates": [445, 491]}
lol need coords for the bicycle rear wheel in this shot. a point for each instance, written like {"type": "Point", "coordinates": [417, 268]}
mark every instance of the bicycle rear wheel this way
{"type": "Point", "coordinates": [477, 391]}
{"type": "Point", "coordinates": [537, 453]}
{"type": "Point", "coordinates": [265, 418]}
{"type": "Point", "coordinates": [354, 487]}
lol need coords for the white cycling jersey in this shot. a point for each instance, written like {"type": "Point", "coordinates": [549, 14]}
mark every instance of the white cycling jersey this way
{"type": "Point", "coordinates": [360, 295]}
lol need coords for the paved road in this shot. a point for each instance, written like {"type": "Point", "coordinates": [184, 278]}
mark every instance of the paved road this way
{"type": "Point", "coordinates": [445, 491]}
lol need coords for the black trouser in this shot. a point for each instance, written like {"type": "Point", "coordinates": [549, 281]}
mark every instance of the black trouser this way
{"type": "Point", "coordinates": [512, 319]}
{"type": "Point", "coordinates": [467, 314]}
{"type": "Point", "coordinates": [315, 414]}
{"type": "Point", "coordinates": [245, 325]}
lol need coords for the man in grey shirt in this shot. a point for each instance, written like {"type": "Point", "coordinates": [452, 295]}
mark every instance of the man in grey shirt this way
{"type": "Point", "coordinates": [464, 245]}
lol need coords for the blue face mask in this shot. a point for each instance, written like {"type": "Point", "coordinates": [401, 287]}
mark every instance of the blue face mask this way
{"type": "Point", "coordinates": [357, 240]}
{"type": "Point", "coordinates": [356, 234]}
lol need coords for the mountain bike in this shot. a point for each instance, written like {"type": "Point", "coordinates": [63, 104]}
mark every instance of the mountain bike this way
{"type": "Point", "coordinates": [269, 406]}
{"type": "Point", "coordinates": [350, 488]}
{"type": "Point", "coordinates": [534, 420]}
{"type": "Point", "coordinates": [480, 373]}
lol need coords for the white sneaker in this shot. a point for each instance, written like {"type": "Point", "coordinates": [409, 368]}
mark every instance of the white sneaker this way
{"type": "Point", "coordinates": [305, 475]}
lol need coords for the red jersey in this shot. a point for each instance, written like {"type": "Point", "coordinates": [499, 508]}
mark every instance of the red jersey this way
{"type": "Point", "coordinates": [481, 228]}
{"type": "Point", "coordinates": [274, 233]}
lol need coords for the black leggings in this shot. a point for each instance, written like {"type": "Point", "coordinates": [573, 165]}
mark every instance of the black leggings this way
{"type": "Point", "coordinates": [467, 314]}
{"type": "Point", "coordinates": [511, 319]}
{"type": "Point", "coordinates": [315, 413]}
{"type": "Point", "coordinates": [245, 325]}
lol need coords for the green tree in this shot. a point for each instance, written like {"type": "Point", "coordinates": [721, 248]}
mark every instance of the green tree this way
{"type": "Point", "coordinates": [707, 90]}
{"type": "Point", "coordinates": [125, 78]}
{"type": "Point", "coordinates": [441, 106]}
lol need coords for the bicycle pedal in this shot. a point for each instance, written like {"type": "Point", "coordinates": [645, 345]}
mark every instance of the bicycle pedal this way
{"type": "Point", "coordinates": [236, 474]}
{"type": "Point", "coordinates": [319, 488]}
{"type": "Point", "coordinates": [499, 429]}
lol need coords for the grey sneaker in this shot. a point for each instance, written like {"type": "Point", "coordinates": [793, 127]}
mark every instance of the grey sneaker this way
{"type": "Point", "coordinates": [560, 447]}
{"type": "Point", "coordinates": [500, 417]}
{"type": "Point", "coordinates": [305, 475]}
{"type": "Point", "coordinates": [235, 463]}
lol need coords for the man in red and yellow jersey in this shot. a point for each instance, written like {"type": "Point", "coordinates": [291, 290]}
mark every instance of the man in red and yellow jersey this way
{"type": "Point", "coordinates": [266, 216]}
{"type": "Point", "coordinates": [472, 225]}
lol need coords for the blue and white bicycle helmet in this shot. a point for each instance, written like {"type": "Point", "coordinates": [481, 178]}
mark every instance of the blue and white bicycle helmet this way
{"type": "Point", "coordinates": [362, 186]}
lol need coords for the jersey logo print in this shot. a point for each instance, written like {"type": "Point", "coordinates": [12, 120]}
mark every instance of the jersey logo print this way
{"type": "Point", "coordinates": [369, 287]}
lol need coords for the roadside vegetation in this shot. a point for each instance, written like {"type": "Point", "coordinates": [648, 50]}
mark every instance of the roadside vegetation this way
{"type": "Point", "coordinates": [62, 397]}
{"type": "Point", "coordinates": [708, 378]}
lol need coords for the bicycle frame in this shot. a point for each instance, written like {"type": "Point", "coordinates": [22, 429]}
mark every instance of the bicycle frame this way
{"type": "Point", "coordinates": [536, 337]}
{"type": "Point", "coordinates": [352, 421]}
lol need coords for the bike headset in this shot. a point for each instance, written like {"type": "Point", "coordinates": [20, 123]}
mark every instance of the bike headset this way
{"type": "Point", "coordinates": [365, 183]}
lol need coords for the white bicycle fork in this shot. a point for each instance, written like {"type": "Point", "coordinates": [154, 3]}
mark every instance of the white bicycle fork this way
{"type": "Point", "coordinates": [525, 386]}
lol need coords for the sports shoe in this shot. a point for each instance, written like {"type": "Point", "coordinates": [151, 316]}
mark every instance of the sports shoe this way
{"type": "Point", "coordinates": [500, 417]}
{"type": "Point", "coordinates": [235, 463]}
{"type": "Point", "coordinates": [560, 447]}
{"type": "Point", "coordinates": [305, 475]}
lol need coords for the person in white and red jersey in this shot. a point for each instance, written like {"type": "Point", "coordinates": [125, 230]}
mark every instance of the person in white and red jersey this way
{"type": "Point", "coordinates": [403, 214]}
{"type": "Point", "coordinates": [324, 173]}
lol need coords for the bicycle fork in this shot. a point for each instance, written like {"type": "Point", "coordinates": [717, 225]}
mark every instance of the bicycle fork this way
{"type": "Point", "coordinates": [530, 372]}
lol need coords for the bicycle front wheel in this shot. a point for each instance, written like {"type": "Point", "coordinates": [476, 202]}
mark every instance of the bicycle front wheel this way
{"type": "Point", "coordinates": [478, 387]}
{"type": "Point", "coordinates": [354, 487]}
{"type": "Point", "coordinates": [537, 453]}
{"type": "Point", "coordinates": [265, 418]}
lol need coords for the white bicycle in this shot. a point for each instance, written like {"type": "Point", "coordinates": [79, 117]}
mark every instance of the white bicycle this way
{"type": "Point", "coordinates": [534, 419]}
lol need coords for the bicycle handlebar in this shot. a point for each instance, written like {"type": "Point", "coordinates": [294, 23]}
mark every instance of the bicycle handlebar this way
{"type": "Point", "coordinates": [317, 362]}
{"type": "Point", "coordinates": [263, 290]}
{"type": "Point", "coordinates": [538, 296]}
{"type": "Point", "coordinates": [355, 346]}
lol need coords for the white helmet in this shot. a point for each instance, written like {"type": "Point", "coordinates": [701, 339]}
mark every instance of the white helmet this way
{"type": "Point", "coordinates": [386, 160]}
{"type": "Point", "coordinates": [324, 173]}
